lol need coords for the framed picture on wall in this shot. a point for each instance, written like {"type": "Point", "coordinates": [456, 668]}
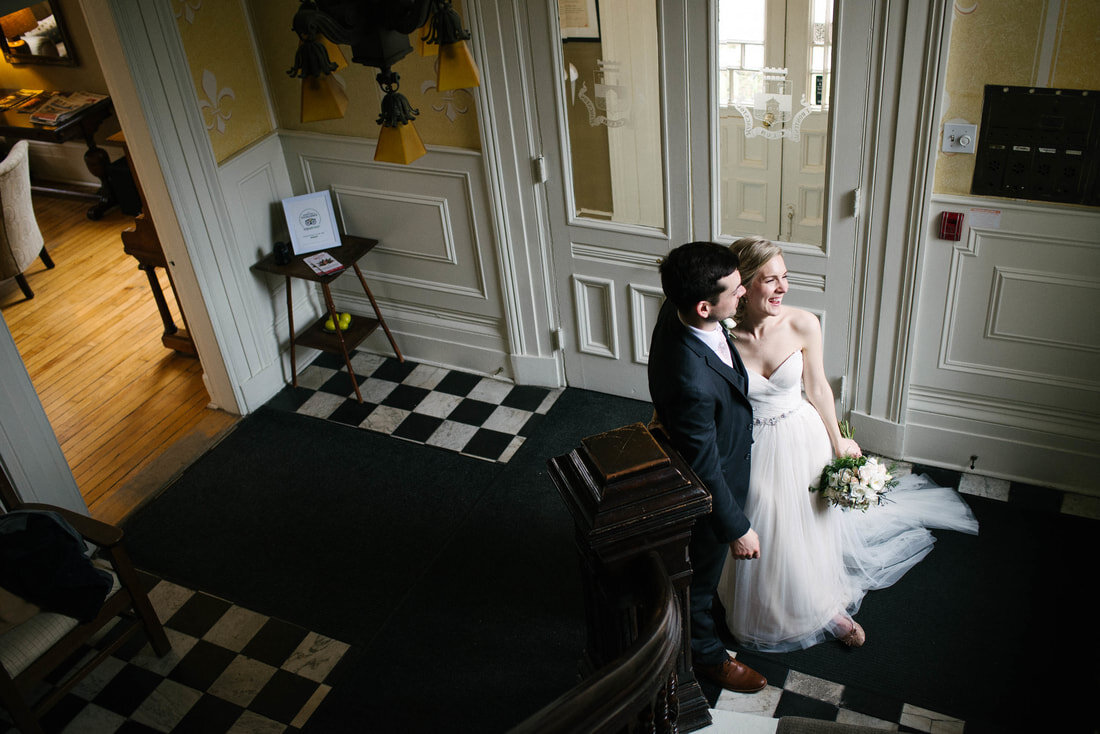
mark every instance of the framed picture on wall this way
{"type": "Point", "coordinates": [580, 20]}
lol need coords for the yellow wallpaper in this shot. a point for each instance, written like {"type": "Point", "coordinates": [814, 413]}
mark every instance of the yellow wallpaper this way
{"type": "Point", "coordinates": [448, 118]}
{"type": "Point", "coordinates": [228, 84]}
{"type": "Point", "coordinates": [1079, 45]}
{"type": "Point", "coordinates": [1003, 42]}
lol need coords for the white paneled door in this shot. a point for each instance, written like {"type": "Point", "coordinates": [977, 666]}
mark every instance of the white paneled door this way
{"type": "Point", "coordinates": [637, 104]}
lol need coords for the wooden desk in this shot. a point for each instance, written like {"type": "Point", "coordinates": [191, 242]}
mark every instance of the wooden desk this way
{"type": "Point", "coordinates": [83, 124]}
{"type": "Point", "coordinates": [315, 336]}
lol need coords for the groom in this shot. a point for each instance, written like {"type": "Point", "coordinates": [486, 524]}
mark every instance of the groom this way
{"type": "Point", "coordinates": [698, 383]}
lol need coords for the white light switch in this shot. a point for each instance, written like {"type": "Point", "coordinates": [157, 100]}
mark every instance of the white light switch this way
{"type": "Point", "coordinates": [959, 137]}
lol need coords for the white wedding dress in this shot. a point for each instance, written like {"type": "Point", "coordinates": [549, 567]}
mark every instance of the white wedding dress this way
{"type": "Point", "coordinates": [817, 561]}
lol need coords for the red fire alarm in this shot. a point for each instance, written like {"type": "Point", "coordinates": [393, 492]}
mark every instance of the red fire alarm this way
{"type": "Point", "coordinates": [951, 226]}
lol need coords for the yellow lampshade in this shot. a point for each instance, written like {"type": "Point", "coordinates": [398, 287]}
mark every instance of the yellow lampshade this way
{"type": "Point", "coordinates": [323, 98]}
{"type": "Point", "coordinates": [423, 47]}
{"type": "Point", "coordinates": [17, 23]}
{"type": "Point", "coordinates": [335, 55]}
{"type": "Point", "coordinates": [400, 144]}
{"type": "Point", "coordinates": [457, 69]}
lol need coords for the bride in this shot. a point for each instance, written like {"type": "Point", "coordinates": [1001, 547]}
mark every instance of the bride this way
{"type": "Point", "coordinates": [816, 561]}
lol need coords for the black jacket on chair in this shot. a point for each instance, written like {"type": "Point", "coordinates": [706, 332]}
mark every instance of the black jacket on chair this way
{"type": "Point", "coordinates": [42, 560]}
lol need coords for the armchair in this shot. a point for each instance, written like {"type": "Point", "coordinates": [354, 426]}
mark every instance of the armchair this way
{"type": "Point", "coordinates": [20, 239]}
{"type": "Point", "coordinates": [30, 650]}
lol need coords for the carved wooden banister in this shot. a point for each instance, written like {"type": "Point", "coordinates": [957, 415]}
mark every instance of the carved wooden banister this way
{"type": "Point", "coordinates": [638, 689]}
{"type": "Point", "coordinates": [631, 495]}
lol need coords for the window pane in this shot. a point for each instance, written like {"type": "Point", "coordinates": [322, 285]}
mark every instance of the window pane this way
{"type": "Point", "coordinates": [613, 101]}
{"type": "Point", "coordinates": [771, 173]}
{"type": "Point", "coordinates": [754, 56]}
{"type": "Point", "coordinates": [745, 22]}
{"type": "Point", "coordinates": [724, 88]}
{"type": "Point", "coordinates": [729, 56]}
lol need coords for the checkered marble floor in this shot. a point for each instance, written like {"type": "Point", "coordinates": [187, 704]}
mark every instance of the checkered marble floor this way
{"type": "Point", "coordinates": [790, 693]}
{"type": "Point", "coordinates": [230, 670]}
{"type": "Point", "coordinates": [476, 416]}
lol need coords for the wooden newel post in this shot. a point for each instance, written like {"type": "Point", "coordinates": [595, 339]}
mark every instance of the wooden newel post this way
{"type": "Point", "coordinates": [631, 493]}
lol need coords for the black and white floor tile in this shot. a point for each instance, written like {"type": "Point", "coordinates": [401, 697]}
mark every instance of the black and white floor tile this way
{"type": "Point", "coordinates": [230, 670]}
{"type": "Point", "coordinates": [790, 693]}
{"type": "Point", "coordinates": [476, 416]}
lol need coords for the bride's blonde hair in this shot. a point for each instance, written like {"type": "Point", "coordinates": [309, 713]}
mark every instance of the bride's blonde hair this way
{"type": "Point", "coordinates": [753, 252]}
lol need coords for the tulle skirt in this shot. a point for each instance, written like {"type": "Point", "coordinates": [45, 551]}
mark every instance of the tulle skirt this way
{"type": "Point", "coordinates": [817, 561]}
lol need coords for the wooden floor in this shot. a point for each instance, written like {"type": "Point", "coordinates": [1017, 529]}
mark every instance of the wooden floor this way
{"type": "Point", "coordinates": [117, 399]}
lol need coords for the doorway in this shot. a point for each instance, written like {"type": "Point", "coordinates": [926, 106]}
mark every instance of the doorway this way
{"type": "Point", "coordinates": [642, 155]}
{"type": "Point", "coordinates": [116, 399]}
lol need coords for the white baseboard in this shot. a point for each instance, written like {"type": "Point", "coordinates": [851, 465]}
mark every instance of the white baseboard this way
{"type": "Point", "coordinates": [538, 371]}
{"type": "Point", "coordinates": [64, 163]}
{"type": "Point", "coordinates": [1042, 466]}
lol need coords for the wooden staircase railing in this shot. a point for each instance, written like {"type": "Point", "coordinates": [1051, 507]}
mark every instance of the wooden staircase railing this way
{"type": "Point", "coordinates": [634, 501]}
{"type": "Point", "coordinates": [637, 692]}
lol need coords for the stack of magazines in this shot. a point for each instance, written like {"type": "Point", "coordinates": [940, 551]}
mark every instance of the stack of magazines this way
{"type": "Point", "coordinates": [61, 107]}
{"type": "Point", "coordinates": [29, 98]}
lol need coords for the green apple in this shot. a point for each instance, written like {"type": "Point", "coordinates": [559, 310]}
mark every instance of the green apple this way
{"type": "Point", "coordinates": [345, 320]}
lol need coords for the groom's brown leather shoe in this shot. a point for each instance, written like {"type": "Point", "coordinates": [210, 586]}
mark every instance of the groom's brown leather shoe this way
{"type": "Point", "coordinates": [733, 676]}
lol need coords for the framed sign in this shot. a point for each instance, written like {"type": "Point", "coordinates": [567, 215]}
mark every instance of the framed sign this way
{"type": "Point", "coordinates": [312, 222]}
{"type": "Point", "coordinates": [579, 19]}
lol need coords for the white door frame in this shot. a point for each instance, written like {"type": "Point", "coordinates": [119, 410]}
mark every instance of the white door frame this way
{"type": "Point", "coordinates": [898, 190]}
{"type": "Point", "coordinates": [155, 104]}
{"type": "Point", "coordinates": [148, 77]}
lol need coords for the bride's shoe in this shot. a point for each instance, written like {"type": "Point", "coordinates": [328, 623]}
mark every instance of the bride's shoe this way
{"type": "Point", "coordinates": [855, 637]}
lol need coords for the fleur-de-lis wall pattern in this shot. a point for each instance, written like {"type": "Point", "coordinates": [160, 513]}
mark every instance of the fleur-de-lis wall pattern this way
{"type": "Point", "coordinates": [217, 108]}
{"type": "Point", "coordinates": [229, 87]}
{"type": "Point", "coordinates": [239, 51]}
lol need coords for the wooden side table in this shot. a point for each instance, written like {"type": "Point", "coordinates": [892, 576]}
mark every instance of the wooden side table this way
{"type": "Point", "coordinates": [348, 254]}
{"type": "Point", "coordinates": [14, 124]}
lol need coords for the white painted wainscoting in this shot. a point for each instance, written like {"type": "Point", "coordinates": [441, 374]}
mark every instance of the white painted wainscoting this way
{"type": "Point", "coordinates": [253, 184]}
{"type": "Point", "coordinates": [1007, 361]}
{"type": "Point", "coordinates": [434, 272]}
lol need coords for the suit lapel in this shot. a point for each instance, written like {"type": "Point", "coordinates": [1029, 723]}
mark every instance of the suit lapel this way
{"type": "Point", "coordinates": [735, 376]}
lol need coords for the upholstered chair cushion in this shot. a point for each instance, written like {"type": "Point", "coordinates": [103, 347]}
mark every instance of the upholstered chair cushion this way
{"type": "Point", "coordinates": [14, 610]}
{"type": "Point", "coordinates": [20, 238]}
{"type": "Point", "coordinates": [25, 643]}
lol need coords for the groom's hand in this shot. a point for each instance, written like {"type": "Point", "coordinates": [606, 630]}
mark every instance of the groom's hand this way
{"type": "Point", "coordinates": [746, 547]}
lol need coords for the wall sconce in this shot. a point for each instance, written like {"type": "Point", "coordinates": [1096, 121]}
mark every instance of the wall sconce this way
{"type": "Point", "coordinates": [378, 33]}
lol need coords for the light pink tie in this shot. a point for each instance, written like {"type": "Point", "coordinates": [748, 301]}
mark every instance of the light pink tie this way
{"type": "Point", "coordinates": [724, 351]}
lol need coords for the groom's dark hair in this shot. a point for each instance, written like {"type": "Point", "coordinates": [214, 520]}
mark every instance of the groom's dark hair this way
{"type": "Point", "coordinates": [690, 273]}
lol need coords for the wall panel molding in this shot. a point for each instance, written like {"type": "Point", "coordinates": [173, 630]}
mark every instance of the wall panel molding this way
{"type": "Point", "coordinates": [612, 256]}
{"type": "Point", "coordinates": [437, 204]}
{"type": "Point", "coordinates": [597, 325]}
{"type": "Point", "coordinates": [641, 326]}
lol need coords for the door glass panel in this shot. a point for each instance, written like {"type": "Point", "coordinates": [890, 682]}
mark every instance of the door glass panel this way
{"type": "Point", "coordinates": [773, 117]}
{"type": "Point", "coordinates": [612, 96]}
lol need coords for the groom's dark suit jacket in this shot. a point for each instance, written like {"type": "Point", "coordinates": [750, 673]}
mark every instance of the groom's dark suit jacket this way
{"type": "Point", "coordinates": [701, 403]}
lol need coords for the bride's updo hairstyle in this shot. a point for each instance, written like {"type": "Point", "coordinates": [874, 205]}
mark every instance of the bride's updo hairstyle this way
{"type": "Point", "coordinates": [753, 252]}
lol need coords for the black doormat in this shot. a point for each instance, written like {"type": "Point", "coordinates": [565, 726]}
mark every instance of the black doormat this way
{"type": "Point", "coordinates": [993, 629]}
{"type": "Point", "coordinates": [455, 580]}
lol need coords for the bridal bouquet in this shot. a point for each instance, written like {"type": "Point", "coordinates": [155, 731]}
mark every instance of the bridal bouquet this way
{"type": "Point", "coordinates": [855, 482]}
